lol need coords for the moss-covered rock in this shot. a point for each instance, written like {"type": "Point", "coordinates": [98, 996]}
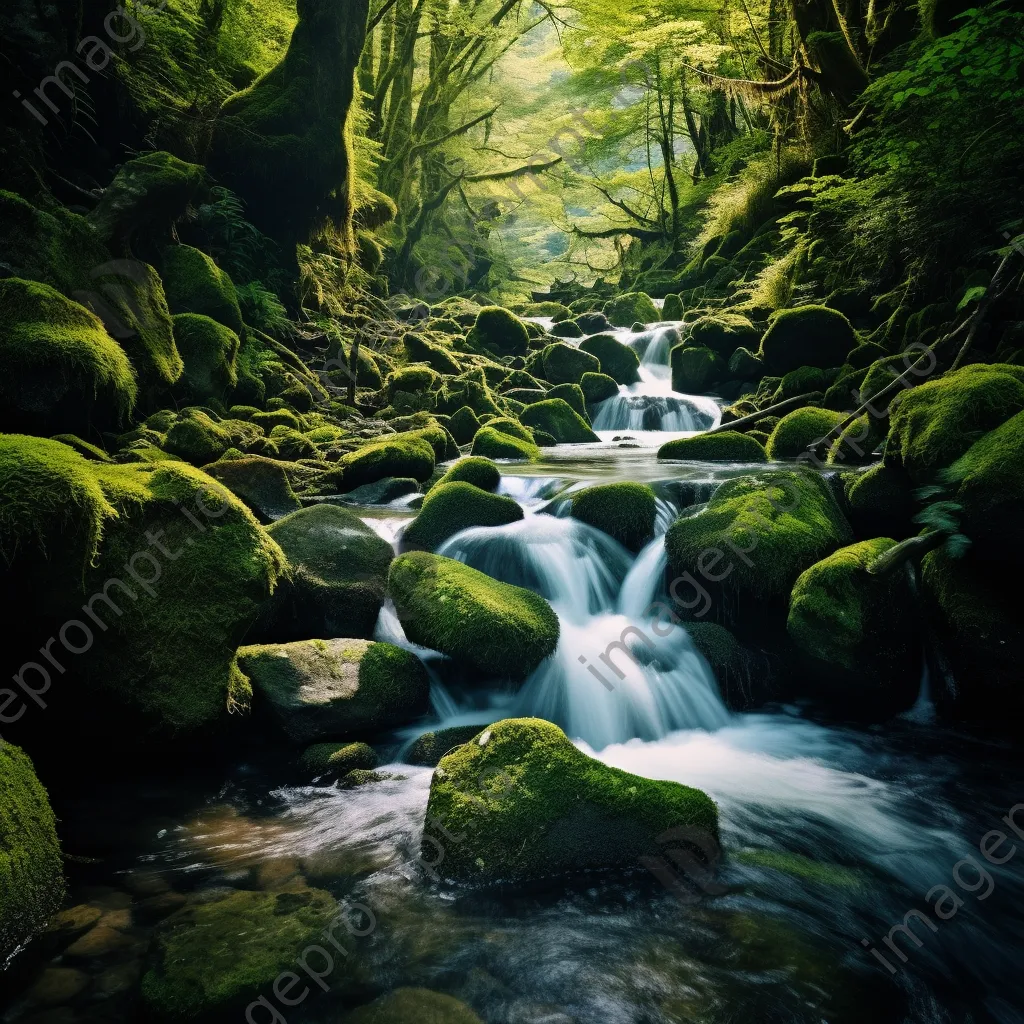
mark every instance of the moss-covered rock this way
{"type": "Point", "coordinates": [625, 511]}
{"type": "Point", "coordinates": [570, 393]}
{"type": "Point", "coordinates": [694, 370]}
{"type": "Point", "coordinates": [858, 632]}
{"type": "Point", "coordinates": [213, 958]}
{"type": "Point", "coordinates": [452, 507]}
{"type": "Point", "coordinates": [630, 308]}
{"type": "Point", "coordinates": [881, 503]}
{"type": "Point", "coordinates": [495, 444]}
{"type": "Point", "coordinates": [412, 379]}
{"type": "Point", "coordinates": [861, 356]}
{"type": "Point", "coordinates": [566, 329]}
{"type": "Point", "coordinates": [797, 429]}
{"type": "Point", "coordinates": [617, 360]}
{"type": "Point", "coordinates": [197, 439]}
{"type": "Point", "coordinates": [857, 442]}
{"type": "Point", "coordinates": [414, 1005]}
{"type": "Point", "coordinates": [597, 387]}
{"type": "Point", "coordinates": [315, 689]}
{"type": "Point", "coordinates": [557, 418]}
{"type": "Point", "coordinates": [507, 425]}
{"type": "Point", "coordinates": [336, 579]}
{"type": "Point", "coordinates": [555, 310]}
{"type": "Point", "coordinates": [806, 336]}
{"type": "Point", "coordinates": [31, 865]}
{"type": "Point", "coordinates": [501, 630]}
{"type": "Point", "coordinates": [804, 381]}
{"type": "Point", "coordinates": [62, 371]}
{"type": "Point", "coordinates": [437, 358]}
{"type": "Point", "coordinates": [673, 308]}
{"type": "Point", "coordinates": [195, 284]}
{"type": "Point", "coordinates": [746, 365]}
{"type": "Point", "coordinates": [473, 470]}
{"type": "Point", "coordinates": [337, 758]}
{"type": "Point", "coordinates": [499, 331]}
{"type": "Point", "coordinates": [723, 333]}
{"type": "Point", "coordinates": [208, 350]}
{"type": "Point", "coordinates": [727, 446]}
{"type": "Point", "coordinates": [262, 483]}
{"type": "Point", "coordinates": [564, 364]}
{"type": "Point", "coordinates": [429, 748]}
{"type": "Point", "coordinates": [463, 425]}
{"type": "Point", "coordinates": [407, 454]}
{"type": "Point", "coordinates": [531, 805]}
{"type": "Point", "coordinates": [933, 424]}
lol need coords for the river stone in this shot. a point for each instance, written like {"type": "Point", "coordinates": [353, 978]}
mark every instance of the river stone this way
{"type": "Point", "coordinates": [432, 746]}
{"type": "Point", "coordinates": [618, 361]}
{"type": "Point", "coordinates": [554, 416]}
{"type": "Point", "coordinates": [452, 507]}
{"type": "Point", "coordinates": [383, 491]}
{"type": "Point", "coordinates": [261, 483]}
{"type": "Point", "coordinates": [413, 1006]}
{"type": "Point", "coordinates": [317, 689]}
{"type": "Point", "coordinates": [564, 364]}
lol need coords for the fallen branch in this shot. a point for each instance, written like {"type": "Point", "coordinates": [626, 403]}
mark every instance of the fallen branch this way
{"type": "Point", "coordinates": [913, 549]}
{"type": "Point", "coordinates": [743, 421]}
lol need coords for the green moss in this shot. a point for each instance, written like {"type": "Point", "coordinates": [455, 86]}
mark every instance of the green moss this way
{"type": "Point", "coordinates": [511, 427]}
{"type": "Point", "coordinates": [316, 689]}
{"type": "Point", "coordinates": [452, 507]}
{"type": "Point", "coordinates": [857, 442]}
{"type": "Point", "coordinates": [90, 451]}
{"type": "Point", "coordinates": [625, 511]}
{"type": "Point", "coordinates": [261, 483]}
{"type": "Point", "coordinates": [337, 758]}
{"type": "Point", "coordinates": [617, 361]}
{"type": "Point", "coordinates": [336, 579]}
{"type": "Point", "coordinates": [844, 394]}
{"type": "Point", "coordinates": [463, 424]}
{"type": "Point", "coordinates": [208, 350]}
{"type": "Point", "coordinates": [803, 868]}
{"type": "Point", "coordinates": [213, 958]}
{"type": "Point", "coordinates": [401, 455]}
{"type": "Point", "coordinates": [564, 364]}
{"type": "Point", "coordinates": [566, 329]}
{"type": "Point", "coordinates": [806, 336]}
{"type": "Point", "coordinates": [479, 472]}
{"type": "Point", "coordinates": [560, 420]}
{"type": "Point", "coordinates": [494, 444]}
{"type": "Point", "coordinates": [422, 351]}
{"type": "Point", "coordinates": [804, 381]}
{"type": "Point", "coordinates": [62, 370]}
{"type": "Point", "coordinates": [798, 429]}
{"type": "Point", "coordinates": [469, 390]}
{"type": "Point", "coordinates": [499, 331]}
{"type": "Point", "coordinates": [413, 1006]}
{"type": "Point", "coordinates": [555, 310]}
{"type": "Point", "coordinates": [277, 418]}
{"type": "Point", "coordinates": [195, 284]}
{"type": "Point", "coordinates": [31, 865]}
{"type": "Point", "coordinates": [723, 333]}
{"type": "Point", "coordinates": [429, 748]}
{"type": "Point", "coordinates": [881, 503]}
{"type": "Point", "coordinates": [597, 387]}
{"type": "Point", "coordinates": [530, 805]}
{"type": "Point", "coordinates": [694, 370]}
{"type": "Point", "coordinates": [862, 355]}
{"type": "Point", "coordinates": [197, 439]}
{"type": "Point", "coordinates": [630, 308]}
{"type": "Point", "coordinates": [412, 380]}
{"type": "Point", "coordinates": [673, 308]}
{"type": "Point", "coordinates": [727, 446]}
{"type": "Point", "coordinates": [501, 630]}
{"type": "Point", "coordinates": [569, 393]}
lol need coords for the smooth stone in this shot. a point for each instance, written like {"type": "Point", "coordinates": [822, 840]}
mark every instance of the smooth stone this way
{"type": "Point", "coordinates": [58, 985]}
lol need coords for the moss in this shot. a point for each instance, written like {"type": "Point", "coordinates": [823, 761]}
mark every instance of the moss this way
{"type": "Point", "coordinates": [566, 329]}
{"type": "Point", "coordinates": [501, 630]}
{"type": "Point", "coordinates": [469, 390]}
{"type": "Point", "coordinates": [412, 380]}
{"type": "Point", "coordinates": [742, 675]}
{"type": "Point", "coordinates": [520, 380]}
{"type": "Point", "coordinates": [727, 446]}
{"type": "Point", "coordinates": [797, 429]}
{"type": "Point", "coordinates": [723, 333]}
{"type": "Point", "coordinates": [555, 310]}
{"type": "Point", "coordinates": [337, 575]}
{"type": "Point", "coordinates": [62, 370]}
{"type": "Point", "coordinates": [560, 420]}
{"type": "Point", "coordinates": [861, 356]}
{"type": "Point", "coordinates": [437, 358]}
{"type": "Point", "coordinates": [694, 370]}
{"type": "Point", "coordinates": [881, 373]}
{"type": "Point", "coordinates": [858, 631]}
{"type": "Point", "coordinates": [400, 455]}
{"type": "Point", "coordinates": [597, 387]}
{"type": "Point", "coordinates": [473, 470]}
{"type": "Point", "coordinates": [31, 865]}
{"type": "Point", "coordinates": [531, 805]}
{"type": "Point", "coordinates": [413, 1006]}
{"type": "Point", "coordinates": [673, 308]}
{"type": "Point", "coordinates": [564, 364]}
{"type": "Point", "coordinates": [261, 483]}
{"type": "Point", "coordinates": [932, 425]}
{"type": "Point", "coordinates": [197, 439]}
{"type": "Point", "coordinates": [213, 958]}
{"type": "Point", "coordinates": [496, 444]}
{"type": "Point", "coordinates": [803, 868]}
{"type": "Point", "coordinates": [316, 689]}
{"type": "Point", "coordinates": [499, 331]}
{"type": "Point", "coordinates": [292, 445]}
{"type": "Point", "coordinates": [208, 350]}
{"type": "Point", "coordinates": [429, 748]}
{"type": "Point", "coordinates": [630, 308]}
{"type": "Point", "coordinates": [804, 381]}
{"type": "Point", "coordinates": [625, 511]}
{"type": "Point", "coordinates": [806, 336]}
{"type": "Point", "coordinates": [195, 284]}
{"type": "Point", "coordinates": [337, 758]}
{"type": "Point", "coordinates": [90, 451]}
{"type": "Point", "coordinates": [452, 507]}
{"type": "Point", "coordinates": [617, 361]}
{"type": "Point", "coordinates": [572, 394]}
{"type": "Point", "coordinates": [844, 394]}
{"type": "Point", "coordinates": [463, 424]}
{"type": "Point", "coordinates": [277, 418]}
{"type": "Point", "coordinates": [857, 442]}
{"type": "Point", "coordinates": [881, 503]}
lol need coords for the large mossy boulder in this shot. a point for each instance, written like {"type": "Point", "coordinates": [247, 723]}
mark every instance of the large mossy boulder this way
{"type": "Point", "coordinates": [408, 454]}
{"type": "Point", "coordinates": [726, 446]}
{"type": "Point", "coordinates": [596, 387]}
{"type": "Point", "coordinates": [564, 364]}
{"type": "Point", "coordinates": [798, 429]}
{"type": "Point", "coordinates": [858, 632]}
{"type": "Point", "coordinates": [531, 805]}
{"type": "Point", "coordinates": [208, 350]}
{"type": "Point", "coordinates": [618, 361]}
{"type": "Point", "coordinates": [625, 511]}
{"type": "Point", "coordinates": [336, 579]}
{"type": "Point", "coordinates": [694, 370]}
{"type": "Point", "coordinates": [723, 333]}
{"type": "Point", "coordinates": [806, 336]}
{"type": "Point", "coordinates": [473, 470]}
{"type": "Point", "coordinates": [556, 417]}
{"type": "Point", "coordinates": [437, 358]}
{"type": "Point", "coordinates": [501, 630]}
{"type": "Point", "coordinates": [452, 507]}
{"type": "Point", "coordinates": [933, 424]}
{"type": "Point", "coordinates": [491, 443]}
{"type": "Point", "coordinates": [319, 689]}
{"type": "Point", "coordinates": [262, 483]}
{"type": "Point", "coordinates": [62, 370]}
{"type": "Point", "coordinates": [570, 393]}
{"type": "Point", "coordinates": [429, 747]}
{"type": "Point", "coordinates": [463, 424]}
{"type": "Point", "coordinates": [197, 438]}
{"type": "Point", "coordinates": [630, 308]}
{"type": "Point", "coordinates": [413, 1006]}
{"type": "Point", "coordinates": [31, 865]}
{"type": "Point", "coordinates": [195, 284]}
{"type": "Point", "coordinates": [335, 758]}
{"type": "Point", "coordinates": [211, 960]}
{"type": "Point", "coordinates": [499, 331]}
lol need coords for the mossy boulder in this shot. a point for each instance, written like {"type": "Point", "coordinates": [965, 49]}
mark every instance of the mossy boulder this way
{"type": "Point", "coordinates": [501, 630]}
{"type": "Point", "coordinates": [337, 758]}
{"type": "Point", "coordinates": [262, 483]}
{"type": "Point", "coordinates": [195, 284]}
{"type": "Point", "coordinates": [413, 379]}
{"type": "Point", "coordinates": [452, 507]}
{"type": "Point", "coordinates": [596, 387]}
{"type": "Point", "coordinates": [511, 427]}
{"type": "Point", "coordinates": [570, 393]}
{"type": "Point", "coordinates": [858, 632]}
{"type": "Point", "coordinates": [861, 356]}
{"type": "Point", "coordinates": [566, 329]}
{"type": "Point", "coordinates": [673, 307]}
{"type": "Point", "coordinates": [210, 960]}
{"type": "Point", "coordinates": [881, 502]}
{"type": "Point", "coordinates": [406, 454]}
{"type": "Point", "coordinates": [495, 444]}
{"type": "Point", "coordinates": [723, 333]}
{"type": "Point", "coordinates": [315, 689]}
{"type": "Point", "coordinates": [555, 417]}
{"type": "Point", "coordinates": [796, 430]}
{"type": "Point", "coordinates": [428, 749]}
{"type": "Point", "coordinates": [383, 492]}
{"type": "Point", "coordinates": [337, 575]}
{"type": "Point", "coordinates": [31, 864]}
{"type": "Point", "coordinates": [463, 424]}
{"type": "Point", "coordinates": [694, 370]}
{"type": "Point", "coordinates": [804, 381]}
{"type": "Point", "coordinates": [564, 364]}
{"type": "Point", "coordinates": [933, 424]}
{"type": "Point", "coordinates": [499, 331]}
{"type": "Point", "coordinates": [197, 438]}
{"type": "Point", "coordinates": [625, 511]}
{"type": "Point", "coordinates": [413, 1006]}
{"type": "Point", "coordinates": [806, 336]}
{"type": "Point", "coordinates": [437, 358]}
{"type": "Point", "coordinates": [530, 805]}
{"type": "Point", "coordinates": [727, 446]}
{"type": "Point", "coordinates": [62, 371]}
{"type": "Point", "coordinates": [555, 310]}
{"type": "Point", "coordinates": [617, 360]}
{"type": "Point", "coordinates": [630, 308]}
{"type": "Point", "coordinates": [746, 365]}
{"type": "Point", "coordinates": [208, 351]}
{"type": "Point", "coordinates": [473, 470]}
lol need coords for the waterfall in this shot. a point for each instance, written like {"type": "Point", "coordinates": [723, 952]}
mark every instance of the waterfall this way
{"type": "Point", "coordinates": [640, 407]}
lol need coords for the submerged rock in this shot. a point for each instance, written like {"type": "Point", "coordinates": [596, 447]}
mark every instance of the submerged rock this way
{"type": "Point", "coordinates": [413, 1006]}
{"type": "Point", "coordinates": [452, 507]}
{"type": "Point", "coordinates": [521, 802]}
{"type": "Point", "coordinates": [625, 511]}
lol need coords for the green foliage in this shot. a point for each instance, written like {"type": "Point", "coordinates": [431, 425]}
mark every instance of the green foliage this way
{"type": "Point", "coordinates": [195, 284]}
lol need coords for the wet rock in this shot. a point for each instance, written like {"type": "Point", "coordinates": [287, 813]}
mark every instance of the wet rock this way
{"type": "Point", "coordinates": [58, 985]}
